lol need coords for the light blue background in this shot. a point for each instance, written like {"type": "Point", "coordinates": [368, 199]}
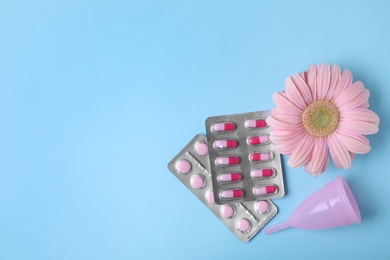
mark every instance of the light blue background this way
{"type": "Point", "coordinates": [96, 97]}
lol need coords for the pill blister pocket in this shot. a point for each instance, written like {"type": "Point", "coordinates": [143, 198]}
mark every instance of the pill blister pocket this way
{"type": "Point", "coordinates": [191, 167]}
{"type": "Point", "coordinates": [243, 163]}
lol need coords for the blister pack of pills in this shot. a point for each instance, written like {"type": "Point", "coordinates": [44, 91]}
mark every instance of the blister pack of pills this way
{"type": "Point", "coordinates": [243, 164]}
{"type": "Point", "coordinates": [191, 167]}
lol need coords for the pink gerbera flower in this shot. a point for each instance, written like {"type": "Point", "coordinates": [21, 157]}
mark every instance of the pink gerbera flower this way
{"type": "Point", "coordinates": [322, 109]}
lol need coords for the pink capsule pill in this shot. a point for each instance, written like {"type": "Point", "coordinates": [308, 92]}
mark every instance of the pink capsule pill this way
{"type": "Point", "coordinates": [225, 144]}
{"type": "Point", "coordinates": [261, 173]}
{"type": "Point", "coordinates": [229, 177]}
{"type": "Point", "coordinates": [210, 197]}
{"type": "Point", "coordinates": [243, 225]}
{"type": "Point", "coordinates": [197, 181]}
{"type": "Point", "coordinates": [227, 161]}
{"type": "Point", "coordinates": [201, 149]}
{"type": "Point", "coordinates": [258, 123]}
{"type": "Point", "coordinates": [227, 211]}
{"type": "Point", "coordinates": [256, 140]}
{"type": "Point", "coordinates": [264, 190]}
{"type": "Point", "coordinates": [262, 206]}
{"type": "Point", "coordinates": [223, 127]}
{"type": "Point", "coordinates": [183, 166]}
{"type": "Point", "coordinates": [231, 194]}
{"type": "Point", "coordinates": [257, 157]}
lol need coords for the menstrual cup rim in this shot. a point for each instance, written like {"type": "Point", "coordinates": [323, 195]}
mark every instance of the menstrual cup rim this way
{"type": "Point", "coordinates": [349, 200]}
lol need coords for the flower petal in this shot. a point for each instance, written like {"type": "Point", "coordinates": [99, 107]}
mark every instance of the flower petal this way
{"type": "Point", "coordinates": [339, 152]}
{"type": "Point", "coordinates": [365, 104]}
{"type": "Point", "coordinates": [325, 163]}
{"type": "Point", "coordinates": [360, 101]}
{"type": "Point", "coordinates": [349, 93]}
{"type": "Point", "coordinates": [345, 81]}
{"type": "Point", "coordinates": [361, 127]}
{"type": "Point", "coordinates": [302, 74]}
{"type": "Point", "coordinates": [281, 101]}
{"type": "Point", "coordinates": [319, 157]}
{"type": "Point", "coordinates": [277, 136]}
{"type": "Point", "coordinates": [335, 74]}
{"type": "Point", "coordinates": [276, 124]}
{"type": "Point", "coordinates": [354, 142]}
{"type": "Point", "coordinates": [282, 133]}
{"type": "Point", "coordinates": [303, 88]}
{"type": "Point", "coordinates": [281, 116]}
{"type": "Point", "coordinates": [352, 155]}
{"type": "Point", "coordinates": [293, 94]}
{"type": "Point", "coordinates": [288, 145]}
{"type": "Point", "coordinates": [313, 67]}
{"type": "Point", "coordinates": [323, 80]}
{"type": "Point", "coordinates": [312, 81]}
{"type": "Point", "coordinates": [302, 152]}
{"type": "Point", "coordinates": [361, 114]}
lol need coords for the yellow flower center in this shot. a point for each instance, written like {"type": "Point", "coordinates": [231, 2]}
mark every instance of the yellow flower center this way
{"type": "Point", "coordinates": [321, 118]}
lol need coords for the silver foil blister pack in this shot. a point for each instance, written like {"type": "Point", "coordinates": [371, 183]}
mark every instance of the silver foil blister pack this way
{"type": "Point", "coordinates": [191, 167]}
{"type": "Point", "coordinates": [243, 163]}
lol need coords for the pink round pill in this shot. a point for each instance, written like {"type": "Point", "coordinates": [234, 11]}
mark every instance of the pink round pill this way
{"type": "Point", "coordinates": [201, 148]}
{"type": "Point", "coordinates": [243, 225]}
{"type": "Point", "coordinates": [210, 197]}
{"type": "Point", "coordinates": [197, 181]}
{"type": "Point", "coordinates": [183, 166]}
{"type": "Point", "coordinates": [262, 206]}
{"type": "Point", "coordinates": [227, 211]}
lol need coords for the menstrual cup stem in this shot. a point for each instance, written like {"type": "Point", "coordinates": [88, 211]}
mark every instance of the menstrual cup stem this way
{"type": "Point", "coordinates": [277, 227]}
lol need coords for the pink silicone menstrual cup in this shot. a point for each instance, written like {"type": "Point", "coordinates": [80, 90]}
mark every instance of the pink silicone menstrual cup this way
{"type": "Point", "coordinates": [331, 206]}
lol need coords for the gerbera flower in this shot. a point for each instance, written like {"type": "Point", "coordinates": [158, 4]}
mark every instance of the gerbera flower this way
{"type": "Point", "coordinates": [322, 110]}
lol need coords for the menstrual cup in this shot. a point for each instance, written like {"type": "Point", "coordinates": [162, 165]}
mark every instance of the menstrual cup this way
{"type": "Point", "coordinates": [331, 206]}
